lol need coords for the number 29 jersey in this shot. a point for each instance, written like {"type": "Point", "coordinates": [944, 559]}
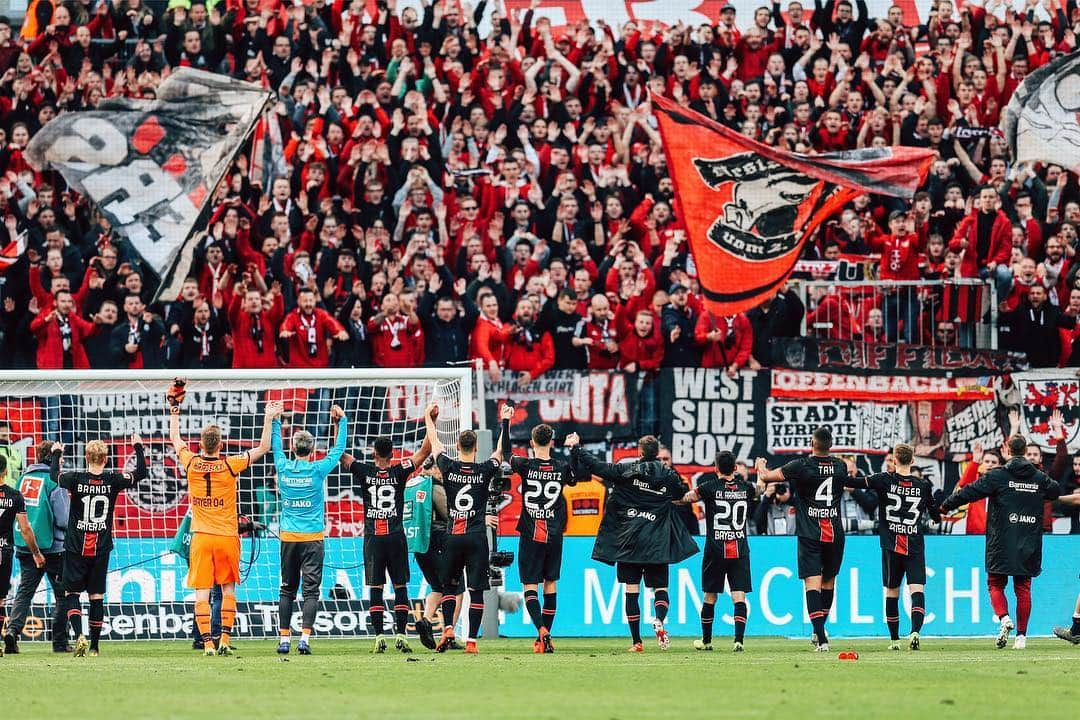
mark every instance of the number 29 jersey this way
{"type": "Point", "coordinates": [727, 506]}
{"type": "Point", "coordinates": [468, 486]}
{"type": "Point", "coordinates": [543, 507]}
{"type": "Point", "coordinates": [818, 483]}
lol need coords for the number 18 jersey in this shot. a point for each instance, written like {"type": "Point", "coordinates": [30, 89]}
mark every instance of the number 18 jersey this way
{"type": "Point", "coordinates": [383, 490]}
{"type": "Point", "coordinates": [817, 482]}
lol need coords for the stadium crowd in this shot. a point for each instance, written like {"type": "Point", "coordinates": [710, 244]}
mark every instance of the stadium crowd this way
{"type": "Point", "coordinates": [425, 192]}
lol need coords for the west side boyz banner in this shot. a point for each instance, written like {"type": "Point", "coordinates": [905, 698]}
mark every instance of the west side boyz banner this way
{"type": "Point", "coordinates": [859, 358]}
{"type": "Point", "coordinates": [1040, 122]}
{"type": "Point", "coordinates": [748, 207]}
{"type": "Point", "coordinates": [706, 411]}
{"type": "Point", "coordinates": [151, 166]}
{"type": "Point", "coordinates": [597, 405]}
{"type": "Point", "coordinates": [150, 602]}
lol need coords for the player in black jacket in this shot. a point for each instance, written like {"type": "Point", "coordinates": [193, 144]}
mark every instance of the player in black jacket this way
{"type": "Point", "coordinates": [818, 482]}
{"type": "Point", "coordinates": [1014, 529]}
{"type": "Point", "coordinates": [641, 533]}
{"type": "Point", "coordinates": [468, 486]}
{"type": "Point", "coordinates": [12, 512]}
{"type": "Point", "coordinates": [904, 500]}
{"type": "Point", "coordinates": [89, 532]}
{"type": "Point", "coordinates": [727, 499]}
{"type": "Point", "coordinates": [541, 526]}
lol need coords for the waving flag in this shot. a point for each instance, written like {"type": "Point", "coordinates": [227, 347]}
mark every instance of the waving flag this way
{"type": "Point", "coordinates": [151, 166]}
{"type": "Point", "coordinates": [1042, 120]}
{"type": "Point", "coordinates": [748, 207]}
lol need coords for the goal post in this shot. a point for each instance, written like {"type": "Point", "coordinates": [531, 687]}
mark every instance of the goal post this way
{"type": "Point", "coordinates": [146, 596]}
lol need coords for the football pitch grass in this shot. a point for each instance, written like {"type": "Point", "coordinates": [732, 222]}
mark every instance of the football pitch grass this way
{"type": "Point", "coordinates": [586, 678]}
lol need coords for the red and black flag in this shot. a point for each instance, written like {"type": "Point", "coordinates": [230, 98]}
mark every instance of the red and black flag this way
{"type": "Point", "coordinates": [748, 207]}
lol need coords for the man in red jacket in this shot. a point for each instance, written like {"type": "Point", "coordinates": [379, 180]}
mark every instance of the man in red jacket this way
{"type": "Point", "coordinates": [643, 349]}
{"type": "Point", "coordinates": [60, 335]}
{"type": "Point", "coordinates": [529, 350]}
{"type": "Point", "coordinates": [253, 327]}
{"type": "Point", "coordinates": [598, 335]}
{"type": "Point", "coordinates": [309, 330]}
{"type": "Point", "coordinates": [900, 251]}
{"type": "Point", "coordinates": [726, 341]}
{"type": "Point", "coordinates": [985, 238]}
{"type": "Point", "coordinates": [392, 334]}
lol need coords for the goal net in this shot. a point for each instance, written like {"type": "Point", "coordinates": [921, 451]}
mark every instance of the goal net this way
{"type": "Point", "coordinates": [146, 596]}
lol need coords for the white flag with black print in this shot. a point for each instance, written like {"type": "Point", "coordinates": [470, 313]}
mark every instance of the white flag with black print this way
{"type": "Point", "coordinates": [1042, 120]}
{"type": "Point", "coordinates": [151, 166]}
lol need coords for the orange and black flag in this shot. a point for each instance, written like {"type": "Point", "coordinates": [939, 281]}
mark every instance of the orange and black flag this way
{"type": "Point", "coordinates": [748, 207]}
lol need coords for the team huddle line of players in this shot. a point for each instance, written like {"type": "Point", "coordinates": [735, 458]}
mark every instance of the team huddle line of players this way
{"type": "Point", "coordinates": [640, 532]}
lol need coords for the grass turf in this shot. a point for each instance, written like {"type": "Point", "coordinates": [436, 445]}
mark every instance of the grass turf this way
{"type": "Point", "coordinates": [586, 678]}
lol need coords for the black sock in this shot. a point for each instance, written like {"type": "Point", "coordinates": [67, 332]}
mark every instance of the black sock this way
{"type": "Point", "coordinates": [826, 601]}
{"type": "Point", "coordinates": [918, 611]}
{"type": "Point", "coordinates": [448, 605]}
{"type": "Point", "coordinates": [633, 616]}
{"type": "Point", "coordinates": [1076, 624]}
{"type": "Point", "coordinates": [892, 616]}
{"type": "Point", "coordinates": [740, 621]}
{"type": "Point", "coordinates": [97, 619]}
{"type": "Point", "coordinates": [74, 614]}
{"type": "Point", "coordinates": [817, 615]}
{"type": "Point", "coordinates": [476, 614]}
{"type": "Point", "coordinates": [401, 609]}
{"type": "Point", "coordinates": [377, 610]}
{"type": "Point", "coordinates": [548, 613]}
{"type": "Point", "coordinates": [707, 611]}
{"type": "Point", "coordinates": [532, 604]}
{"type": "Point", "coordinates": [660, 605]}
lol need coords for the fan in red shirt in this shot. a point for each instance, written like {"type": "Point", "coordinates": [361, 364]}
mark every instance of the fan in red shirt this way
{"type": "Point", "coordinates": [253, 327]}
{"type": "Point", "coordinates": [308, 330]}
{"type": "Point", "coordinates": [488, 339]}
{"type": "Point", "coordinates": [900, 253]}
{"type": "Point", "coordinates": [61, 333]}
{"type": "Point", "coordinates": [642, 349]}
{"type": "Point", "coordinates": [529, 350]}
{"type": "Point", "coordinates": [726, 341]}
{"type": "Point", "coordinates": [392, 335]}
{"type": "Point", "coordinates": [598, 335]}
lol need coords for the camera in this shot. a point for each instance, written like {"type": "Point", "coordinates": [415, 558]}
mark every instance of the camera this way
{"type": "Point", "coordinates": [498, 559]}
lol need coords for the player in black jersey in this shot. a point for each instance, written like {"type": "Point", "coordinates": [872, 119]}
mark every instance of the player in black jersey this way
{"type": "Point", "coordinates": [818, 481]}
{"type": "Point", "coordinates": [541, 526]}
{"type": "Point", "coordinates": [386, 549]}
{"type": "Point", "coordinates": [903, 501]}
{"type": "Point", "coordinates": [12, 510]}
{"type": "Point", "coordinates": [727, 499]}
{"type": "Point", "coordinates": [1071, 634]}
{"type": "Point", "coordinates": [468, 485]}
{"type": "Point", "coordinates": [89, 532]}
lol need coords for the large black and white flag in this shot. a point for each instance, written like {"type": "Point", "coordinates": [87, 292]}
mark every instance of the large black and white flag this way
{"type": "Point", "coordinates": [1042, 120]}
{"type": "Point", "coordinates": [151, 166]}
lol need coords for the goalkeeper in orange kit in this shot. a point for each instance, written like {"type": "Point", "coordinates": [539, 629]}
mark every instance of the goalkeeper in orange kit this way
{"type": "Point", "coordinates": [215, 542]}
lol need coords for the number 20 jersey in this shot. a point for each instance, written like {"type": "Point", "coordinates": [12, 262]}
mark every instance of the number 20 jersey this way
{"type": "Point", "coordinates": [727, 506]}
{"type": "Point", "coordinates": [543, 507]}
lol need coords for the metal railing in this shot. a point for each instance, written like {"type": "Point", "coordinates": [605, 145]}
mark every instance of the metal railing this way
{"type": "Point", "coordinates": [951, 313]}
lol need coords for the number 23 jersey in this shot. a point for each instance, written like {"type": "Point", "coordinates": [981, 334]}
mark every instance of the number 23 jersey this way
{"type": "Point", "coordinates": [902, 501]}
{"type": "Point", "coordinates": [543, 507]}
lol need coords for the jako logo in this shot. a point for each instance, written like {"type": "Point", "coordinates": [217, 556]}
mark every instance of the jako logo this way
{"type": "Point", "coordinates": [1026, 519]}
{"type": "Point", "coordinates": [632, 513]}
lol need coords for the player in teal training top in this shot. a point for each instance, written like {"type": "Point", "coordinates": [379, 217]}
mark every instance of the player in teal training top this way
{"type": "Point", "coordinates": [301, 484]}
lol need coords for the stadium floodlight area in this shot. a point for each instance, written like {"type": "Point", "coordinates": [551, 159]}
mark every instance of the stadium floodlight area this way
{"type": "Point", "coordinates": [146, 597]}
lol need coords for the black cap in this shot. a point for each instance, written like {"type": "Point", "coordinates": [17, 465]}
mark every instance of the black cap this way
{"type": "Point", "coordinates": [677, 287]}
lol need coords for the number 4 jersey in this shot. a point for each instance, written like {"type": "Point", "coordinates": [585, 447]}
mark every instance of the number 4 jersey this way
{"type": "Point", "coordinates": [543, 507]}
{"type": "Point", "coordinates": [818, 482]}
{"type": "Point", "coordinates": [93, 504]}
{"type": "Point", "coordinates": [727, 505]}
{"type": "Point", "coordinates": [902, 501]}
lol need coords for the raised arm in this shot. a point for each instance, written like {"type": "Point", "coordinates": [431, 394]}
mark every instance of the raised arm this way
{"type": "Point", "coordinates": [585, 461]}
{"type": "Point", "coordinates": [175, 396]}
{"type": "Point", "coordinates": [273, 411]}
{"type": "Point", "coordinates": [339, 431]}
{"type": "Point", "coordinates": [505, 415]}
{"type": "Point", "coordinates": [432, 437]}
{"type": "Point", "coordinates": [766, 475]}
{"type": "Point", "coordinates": [141, 470]}
{"type": "Point", "coordinates": [276, 446]}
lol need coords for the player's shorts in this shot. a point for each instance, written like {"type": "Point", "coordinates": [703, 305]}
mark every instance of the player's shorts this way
{"type": "Point", "coordinates": [715, 568]}
{"type": "Point", "coordinates": [895, 567]}
{"type": "Point", "coordinates": [820, 558]}
{"type": "Point", "coordinates": [213, 560]}
{"type": "Point", "coordinates": [302, 558]}
{"type": "Point", "coordinates": [469, 553]}
{"type": "Point", "coordinates": [83, 573]}
{"type": "Point", "coordinates": [539, 561]}
{"type": "Point", "coordinates": [7, 560]}
{"type": "Point", "coordinates": [432, 562]}
{"type": "Point", "coordinates": [386, 554]}
{"type": "Point", "coordinates": [655, 575]}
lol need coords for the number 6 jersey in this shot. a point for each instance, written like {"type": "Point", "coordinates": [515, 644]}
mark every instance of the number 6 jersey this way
{"type": "Point", "coordinates": [543, 507]}
{"type": "Point", "coordinates": [468, 486]}
{"type": "Point", "coordinates": [93, 504]}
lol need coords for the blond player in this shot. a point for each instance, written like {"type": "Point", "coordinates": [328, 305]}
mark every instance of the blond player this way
{"type": "Point", "coordinates": [215, 541]}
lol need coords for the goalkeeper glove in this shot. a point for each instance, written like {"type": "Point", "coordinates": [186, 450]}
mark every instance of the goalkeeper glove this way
{"type": "Point", "coordinates": [176, 393]}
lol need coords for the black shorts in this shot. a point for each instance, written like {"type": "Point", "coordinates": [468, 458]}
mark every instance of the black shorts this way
{"type": "Point", "coordinates": [469, 553]}
{"type": "Point", "coordinates": [303, 558]}
{"type": "Point", "coordinates": [820, 558]}
{"type": "Point", "coordinates": [386, 554]}
{"type": "Point", "coordinates": [715, 568]}
{"type": "Point", "coordinates": [539, 561]}
{"type": "Point", "coordinates": [655, 575]}
{"type": "Point", "coordinates": [431, 561]}
{"type": "Point", "coordinates": [7, 558]}
{"type": "Point", "coordinates": [895, 567]}
{"type": "Point", "coordinates": [85, 574]}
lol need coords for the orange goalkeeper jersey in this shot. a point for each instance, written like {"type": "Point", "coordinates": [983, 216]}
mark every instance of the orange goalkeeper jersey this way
{"type": "Point", "coordinates": [212, 490]}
